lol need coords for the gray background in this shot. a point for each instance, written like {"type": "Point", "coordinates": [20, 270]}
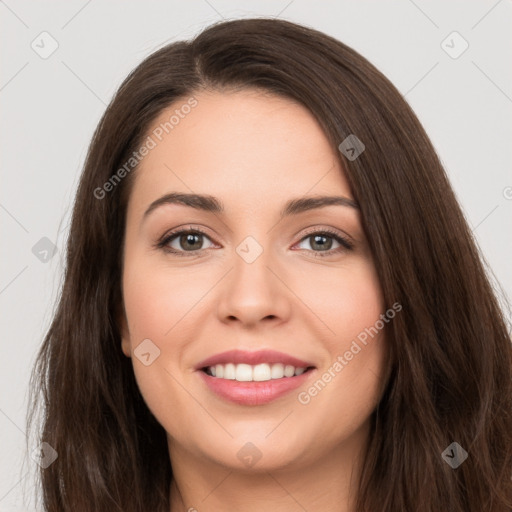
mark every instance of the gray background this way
{"type": "Point", "coordinates": [50, 107]}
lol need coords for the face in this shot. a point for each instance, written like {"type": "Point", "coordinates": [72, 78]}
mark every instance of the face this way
{"type": "Point", "coordinates": [284, 307]}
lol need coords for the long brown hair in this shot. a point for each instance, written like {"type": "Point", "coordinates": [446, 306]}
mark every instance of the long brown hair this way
{"type": "Point", "coordinates": [450, 378]}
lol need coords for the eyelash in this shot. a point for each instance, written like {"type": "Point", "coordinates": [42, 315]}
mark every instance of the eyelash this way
{"type": "Point", "coordinates": [346, 245]}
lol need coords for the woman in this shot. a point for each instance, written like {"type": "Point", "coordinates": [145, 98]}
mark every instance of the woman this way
{"type": "Point", "coordinates": [272, 299]}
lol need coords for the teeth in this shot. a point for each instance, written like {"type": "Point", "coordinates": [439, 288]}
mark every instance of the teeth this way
{"type": "Point", "coordinates": [229, 371]}
{"type": "Point", "coordinates": [261, 372]}
{"type": "Point", "coordinates": [289, 370]}
{"type": "Point", "coordinates": [256, 373]}
{"type": "Point", "coordinates": [277, 371]}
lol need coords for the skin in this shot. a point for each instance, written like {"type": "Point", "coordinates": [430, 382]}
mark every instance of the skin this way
{"type": "Point", "coordinates": [253, 151]}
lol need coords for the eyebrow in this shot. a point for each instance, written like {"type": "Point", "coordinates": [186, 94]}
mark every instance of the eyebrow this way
{"type": "Point", "coordinates": [211, 204]}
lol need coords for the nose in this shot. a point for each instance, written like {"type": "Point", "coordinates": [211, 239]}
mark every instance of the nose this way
{"type": "Point", "coordinates": [254, 292]}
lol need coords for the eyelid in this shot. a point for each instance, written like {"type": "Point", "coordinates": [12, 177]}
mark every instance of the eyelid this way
{"type": "Point", "coordinates": [162, 242]}
{"type": "Point", "coordinates": [328, 230]}
{"type": "Point", "coordinates": [346, 242]}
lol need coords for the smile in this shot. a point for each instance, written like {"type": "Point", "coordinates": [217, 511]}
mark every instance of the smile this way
{"type": "Point", "coordinates": [254, 373]}
{"type": "Point", "coordinates": [253, 377]}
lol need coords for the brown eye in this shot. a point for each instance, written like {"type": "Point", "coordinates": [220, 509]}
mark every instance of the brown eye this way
{"type": "Point", "coordinates": [184, 241]}
{"type": "Point", "coordinates": [321, 243]}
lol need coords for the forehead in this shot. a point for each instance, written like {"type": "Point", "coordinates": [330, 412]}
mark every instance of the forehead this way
{"type": "Point", "coordinates": [244, 145]}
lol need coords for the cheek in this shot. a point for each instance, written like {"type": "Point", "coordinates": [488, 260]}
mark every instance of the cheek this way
{"type": "Point", "coordinates": [345, 301]}
{"type": "Point", "coordinates": [157, 299]}
{"type": "Point", "coordinates": [155, 302]}
{"type": "Point", "coordinates": [349, 382]}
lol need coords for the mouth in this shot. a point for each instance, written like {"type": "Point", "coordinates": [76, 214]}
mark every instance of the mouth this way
{"type": "Point", "coordinates": [254, 378]}
{"type": "Point", "coordinates": [254, 373]}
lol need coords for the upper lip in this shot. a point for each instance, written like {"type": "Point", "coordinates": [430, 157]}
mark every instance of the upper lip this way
{"type": "Point", "coordinates": [252, 358]}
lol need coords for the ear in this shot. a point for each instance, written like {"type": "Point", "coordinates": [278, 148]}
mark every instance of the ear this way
{"type": "Point", "coordinates": [122, 322]}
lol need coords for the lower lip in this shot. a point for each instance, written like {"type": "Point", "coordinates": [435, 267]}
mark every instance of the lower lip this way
{"type": "Point", "coordinates": [254, 393]}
